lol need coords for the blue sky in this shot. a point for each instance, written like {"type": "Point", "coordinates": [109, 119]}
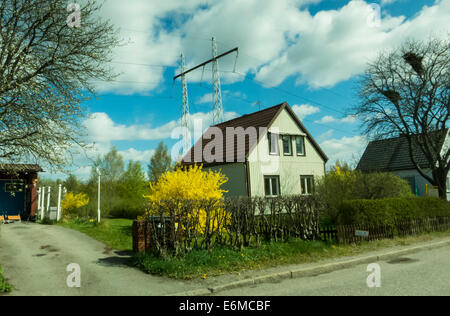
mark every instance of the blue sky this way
{"type": "Point", "coordinates": [306, 52]}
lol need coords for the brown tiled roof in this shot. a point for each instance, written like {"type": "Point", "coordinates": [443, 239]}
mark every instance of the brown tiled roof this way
{"type": "Point", "coordinates": [20, 168]}
{"type": "Point", "coordinates": [261, 119]}
{"type": "Point", "coordinates": [392, 155]}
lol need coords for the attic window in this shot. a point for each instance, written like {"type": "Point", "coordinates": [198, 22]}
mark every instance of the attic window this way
{"type": "Point", "coordinates": [300, 145]}
{"type": "Point", "coordinates": [287, 145]}
{"type": "Point", "coordinates": [273, 143]}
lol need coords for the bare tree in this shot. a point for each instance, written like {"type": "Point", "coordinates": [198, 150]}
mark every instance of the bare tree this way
{"type": "Point", "coordinates": [406, 92]}
{"type": "Point", "coordinates": [49, 67]}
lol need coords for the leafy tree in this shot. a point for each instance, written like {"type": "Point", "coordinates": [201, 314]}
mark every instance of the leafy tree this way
{"type": "Point", "coordinates": [111, 166]}
{"type": "Point", "coordinates": [160, 163]}
{"type": "Point", "coordinates": [407, 92]}
{"type": "Point", "coordinates": [47, 70]}
{"type": "Point", "coordinates": [72, 184]}
{"type": "Point", "coordinates": [133, 183]}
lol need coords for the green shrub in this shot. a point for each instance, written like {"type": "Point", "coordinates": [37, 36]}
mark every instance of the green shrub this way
{"type": "Point", "coordinates": [342, 184]}
{"type": "Point", "coordinates": [4, 287]}
{"type": "Point", "coordinates": [387, 211]}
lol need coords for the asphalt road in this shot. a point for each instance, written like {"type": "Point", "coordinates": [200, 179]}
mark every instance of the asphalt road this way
{"type": "Point", "coordinates": [35, 258]}
{"type": "Point", "coordinates": [423, 273]}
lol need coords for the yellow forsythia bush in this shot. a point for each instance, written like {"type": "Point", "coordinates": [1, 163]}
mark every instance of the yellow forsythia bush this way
{"type": "Point", "coordinates": [191, 184]}
{"type": "Point", "coordinates": [73, 202]}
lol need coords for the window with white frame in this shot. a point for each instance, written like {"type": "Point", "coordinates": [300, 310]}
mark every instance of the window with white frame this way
{"type": "Point", "coordinates": [272, 185]}
{"type": "Point", "coordinates": [287, 145]}
{"type": "Point", "coordinates": [307, 184]}
{"type": "Point", "coordinates": [300, 145]}
{"type": "Point", "coordinates": [273, 143]}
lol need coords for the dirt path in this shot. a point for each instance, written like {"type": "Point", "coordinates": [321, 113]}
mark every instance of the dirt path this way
{"type": "Point", "coordinates": [35, 257]}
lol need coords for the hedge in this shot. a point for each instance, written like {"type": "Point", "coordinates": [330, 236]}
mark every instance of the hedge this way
{"type": "Point", "coordinates": [390, 210]}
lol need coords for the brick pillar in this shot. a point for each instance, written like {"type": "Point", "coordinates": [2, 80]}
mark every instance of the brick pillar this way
{"type": "Point", "coordinates": [34, 196]}
{"type": "Point", "coordinates": [141, 236]}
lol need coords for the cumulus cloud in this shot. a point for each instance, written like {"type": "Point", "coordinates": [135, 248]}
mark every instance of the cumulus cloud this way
{"type": "Point", "coordinates": [276, 39]}
{"type": "Point", "coordinates": [331, 119]}
{"type": "Point", "coordinates": [347, 149]}
{"type": "Point", "coordinates": [304, 110]}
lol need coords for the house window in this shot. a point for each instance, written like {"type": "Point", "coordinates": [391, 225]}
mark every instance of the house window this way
{"type": "Point", "coordinates": [287, 145]}
{"type": "Point", "coordinates": [448, 184]}
{"type": "Point", "coordinates": [272, 185]}
{"type": "Point", "coordinates": [273, 143]}
{"type": "Point", "coordinates": [300, 145]}
{"type": "Point", "coordinates": [307, 184]}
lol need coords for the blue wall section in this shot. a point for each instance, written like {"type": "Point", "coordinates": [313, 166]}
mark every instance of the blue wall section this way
{"type": "Point", "coordinates": [11, 204]}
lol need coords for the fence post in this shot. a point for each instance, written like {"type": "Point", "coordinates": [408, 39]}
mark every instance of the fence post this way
{"type": "Point", "coordinates": [58, 216]}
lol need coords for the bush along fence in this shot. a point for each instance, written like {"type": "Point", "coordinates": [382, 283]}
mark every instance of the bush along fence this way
{"type": "Point", "coordinates": [178, 226]}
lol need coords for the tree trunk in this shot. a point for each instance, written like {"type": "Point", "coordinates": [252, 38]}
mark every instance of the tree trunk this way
{"type": "Point", "coordinates": [440, 178]}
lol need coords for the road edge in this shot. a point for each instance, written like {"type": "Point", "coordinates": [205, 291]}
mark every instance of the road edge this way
{"type": "Point", "coordinates": [312, 271]}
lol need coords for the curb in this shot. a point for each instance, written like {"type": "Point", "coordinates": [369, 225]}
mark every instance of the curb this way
{"type": "Point", "coordinates": [312, 271]}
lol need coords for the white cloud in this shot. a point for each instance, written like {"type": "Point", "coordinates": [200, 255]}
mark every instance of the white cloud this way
{"type": "Point", "coordinates": [331, 119]}
{"type": "Point", "coordinates": [276, 39]}
{"type": "Point", "coordinates": [206, 98]}
{"type": "Point", "coordinates": [336, 45]}
{"type": "Point", "coordinates": [304, 110]}
{"type": "Point", "coordinates": [387, 2]}
{"type": "Point", "coordinates": [101, 128]}
{"type": "Point", "coordinates": [137, 155]}
{"type": "Point", "coordinates": [347, 149]}
{"type": "Point", "coordinates": [325, 136]}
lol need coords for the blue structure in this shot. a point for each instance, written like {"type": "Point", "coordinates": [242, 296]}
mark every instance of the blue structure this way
{"type": "Point", "coordinates": [18, 190]}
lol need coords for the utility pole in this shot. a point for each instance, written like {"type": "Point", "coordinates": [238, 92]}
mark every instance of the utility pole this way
{"type": "Point", "coordinates": [217, 106]}
{"type": "Point", "coordinates": [98, 197]}
{"type": "Point", "coordinates": [184, 109]}
{"type": "Point", "coordinates": [58, 216]}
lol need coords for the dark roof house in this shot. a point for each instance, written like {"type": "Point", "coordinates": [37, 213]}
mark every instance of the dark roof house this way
{"type": "Point", "coordinates": [18, 190]}
{"type": "Point", "coordinates": [265, 153]}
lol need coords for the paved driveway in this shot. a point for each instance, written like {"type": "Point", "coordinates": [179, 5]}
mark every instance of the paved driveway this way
{"type": "Point", "coordinates": [35, 257]}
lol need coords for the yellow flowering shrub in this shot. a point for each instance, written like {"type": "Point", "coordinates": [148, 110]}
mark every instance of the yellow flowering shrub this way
{"type": "Point", "coordinates": [73, 202]}
{"type": "Point", "coordinates": [191, 184]}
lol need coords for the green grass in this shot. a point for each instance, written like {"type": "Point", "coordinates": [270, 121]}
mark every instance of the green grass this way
{"type": "Point", "coordinates": [4, 286]}
{"type": "Point", "coordinates": [220, 261]}
{"type": "Point", "coordinates": [115, 233]}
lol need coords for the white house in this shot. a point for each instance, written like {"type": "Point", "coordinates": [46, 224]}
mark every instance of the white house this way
{"type": "Point", "coordinates": [266, 153]}
{"type": "Point", "coordinates": [392, 155]}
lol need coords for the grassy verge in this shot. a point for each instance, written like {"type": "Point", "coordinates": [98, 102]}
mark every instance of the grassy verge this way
{"type": "Point", "coordinates": [115, 233]}
{"type": "Point", "coordinates": [219, 261]}
{"type": "Point", "coordinates": [4, 286]}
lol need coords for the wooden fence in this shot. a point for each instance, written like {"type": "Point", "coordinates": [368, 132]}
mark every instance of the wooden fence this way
{"type": "Point", "coordinates": [358, 233]}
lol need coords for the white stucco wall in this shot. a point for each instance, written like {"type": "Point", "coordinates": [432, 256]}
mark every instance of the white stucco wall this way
{"type": "Point", "coordinates": [288, 168]}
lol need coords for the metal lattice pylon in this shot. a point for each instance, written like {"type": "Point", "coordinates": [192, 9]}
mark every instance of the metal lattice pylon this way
{"type": "Point", "coordinates": [217, 106]}
{"type": "Point", "coordinates": [184, 109]}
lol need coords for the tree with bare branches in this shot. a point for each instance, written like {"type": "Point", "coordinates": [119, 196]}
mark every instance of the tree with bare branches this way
{"type": "Point", "coordinates": [51, 56]}
{"type": "Point", "coordinates": [406, 92]}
